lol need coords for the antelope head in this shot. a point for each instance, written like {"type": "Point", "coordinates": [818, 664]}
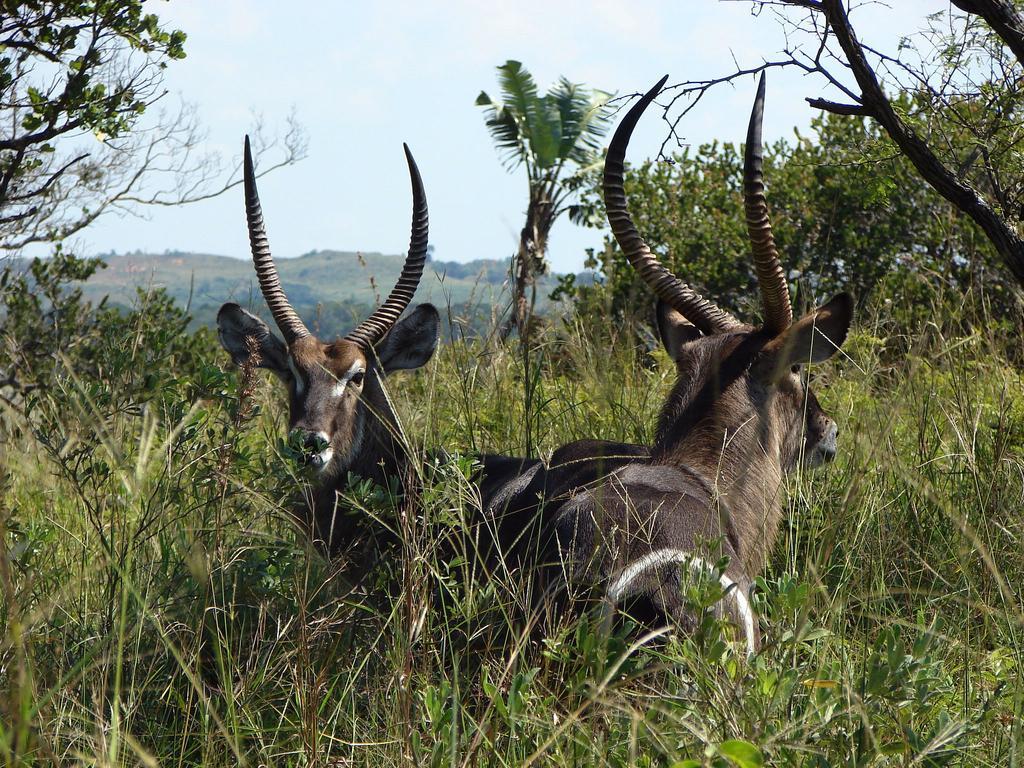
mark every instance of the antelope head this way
{"type": "Point", "coordinates": [338, 411]}
{"type": "Point", "coordinates": [740, 408]}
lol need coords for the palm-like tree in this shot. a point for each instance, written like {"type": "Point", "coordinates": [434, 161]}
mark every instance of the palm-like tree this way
{"type": "Point", "coordinates": [557, 137]}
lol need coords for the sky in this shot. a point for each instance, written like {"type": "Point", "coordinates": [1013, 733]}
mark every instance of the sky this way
{"type": "Point", "coordinates": [362, 77]}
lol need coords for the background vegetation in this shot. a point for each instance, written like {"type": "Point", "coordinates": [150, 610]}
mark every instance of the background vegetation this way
{"type": "Point", "coordinates": [848, 211]}
{"type": "Point", "coordinates": [159, 606]}
{"type": "Point", "coordinates": [331, 289]}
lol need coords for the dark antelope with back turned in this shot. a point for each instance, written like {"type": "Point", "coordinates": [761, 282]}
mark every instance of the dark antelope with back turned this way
{"type": "Point", "coordinates": [739, 417]}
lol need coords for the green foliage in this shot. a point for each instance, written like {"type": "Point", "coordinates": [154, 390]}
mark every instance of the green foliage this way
{"type": "Point", "coordinates": [848, 213]}
{"type": "Point", "coordinates": [160, 605]}
{"type": "Point", "coordinates": [43, 312]}
{"type": "Point", "coordinates": [62, 33]}
{"type": "Point", "coordinates": [51, 333]}
{"type": "Point", "coordinates": [68, 70]}
{"type": "Point", "coordinates": [965, 97]}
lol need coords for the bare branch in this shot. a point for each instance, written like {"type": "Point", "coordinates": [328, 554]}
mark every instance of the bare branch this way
{"type": "Point", "coordinates": [75, 143]}
{"type": "Point", "coordinates": [932, 170]}
{"type": "Point", "coordinates": [839, 109]}
{"type": "Point", "coordinates": [958, 114]}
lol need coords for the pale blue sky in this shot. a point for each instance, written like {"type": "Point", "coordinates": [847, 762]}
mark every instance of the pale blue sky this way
{"type": "Point", "coordinates": [364, 77]}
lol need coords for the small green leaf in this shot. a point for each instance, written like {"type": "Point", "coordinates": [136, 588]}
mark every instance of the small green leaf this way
{"type": "Point", "coordinates": [893, 748]}
{"type": "Point", "coordinates": [741, 753]}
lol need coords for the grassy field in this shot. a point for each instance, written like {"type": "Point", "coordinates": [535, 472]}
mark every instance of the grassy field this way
{"type": "Point", "coordinates": [159, 608]}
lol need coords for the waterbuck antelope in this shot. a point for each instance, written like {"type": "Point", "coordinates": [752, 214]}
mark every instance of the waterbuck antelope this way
{"type": "Point", "coordinates": [341, 416]}
{"type": "Point", "coordinates": [737, 420]}
{"type": "Point", "coordinates": [338, 410]}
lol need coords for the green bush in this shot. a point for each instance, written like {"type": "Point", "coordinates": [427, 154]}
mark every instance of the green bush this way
{"type": "Point", "coordinates": [160, 606]}
{"type": "Point", "coordinates": [848, 212]}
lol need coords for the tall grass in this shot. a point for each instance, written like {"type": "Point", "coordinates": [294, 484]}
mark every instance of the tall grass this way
{"type": "Point", "coordinates": [161, 608]}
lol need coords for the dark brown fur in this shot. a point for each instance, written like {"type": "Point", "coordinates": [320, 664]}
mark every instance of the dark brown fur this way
{"type": "Point", "coordinates": [738, 419]}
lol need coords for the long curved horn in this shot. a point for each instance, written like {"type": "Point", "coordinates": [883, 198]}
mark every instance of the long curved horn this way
{"type": "Point", "coordinates": [778, 312]}
{"type": "Point", "coordinates": [373, 328]}
{"type": "Point", "coordinates": [287, 320]}
{"type": "Point", "coordinates": [704, 314]}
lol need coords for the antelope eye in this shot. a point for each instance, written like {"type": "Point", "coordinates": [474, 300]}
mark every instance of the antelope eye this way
{"type": "Point", "coordinates": [357, 378]}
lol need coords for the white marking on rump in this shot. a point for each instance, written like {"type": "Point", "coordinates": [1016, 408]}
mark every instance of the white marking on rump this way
{"type": "Point", "coordinates": [624, 584]}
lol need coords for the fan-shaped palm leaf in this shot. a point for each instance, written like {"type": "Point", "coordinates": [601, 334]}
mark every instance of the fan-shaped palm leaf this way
{"type": "Point", "coordinates": [503, 125]}
{"type": "Point", "coordinates": [545, 133]}
{"type": "Point", "coordinates": [583, 118]}
{"type": "Point", "coordinates": [540, 131]}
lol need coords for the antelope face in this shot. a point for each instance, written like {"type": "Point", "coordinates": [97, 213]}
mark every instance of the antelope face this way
{"type": "Point", "coordinates": [820, 433]}
{"type": "Point", "coordinates": [325, 386]}
{"type": "Point", "coordinates": [334, 389]}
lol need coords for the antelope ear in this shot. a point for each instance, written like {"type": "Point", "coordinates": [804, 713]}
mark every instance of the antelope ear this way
{"type": "Point", "coordinates": [411, 343]}
{"type": "Point", "coordinates": [674, 329]}
{"type": "Point", "coordinates": [813, 338]}
{"type": "Point", "coordinates": [249, 341]}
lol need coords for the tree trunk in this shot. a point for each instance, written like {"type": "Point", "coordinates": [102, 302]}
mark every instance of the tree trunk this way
{"type": "Point", "coordinates": [1004, 18]}
{"type": "Point", "coordinates": [522, 278]}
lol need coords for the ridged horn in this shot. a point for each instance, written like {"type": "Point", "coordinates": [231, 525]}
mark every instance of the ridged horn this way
{"type": "Point", "coordinates": [373, 328]}
{"type": "Point", "coordinates": [778, 312]}
{"type": "Point", "coordinates": [704, 314]}
{"type": "Point", "coordinates": [287, 320]}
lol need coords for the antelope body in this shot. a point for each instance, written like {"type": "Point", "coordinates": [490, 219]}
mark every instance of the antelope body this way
{"type": "Point", "coordinates": [737, 420]}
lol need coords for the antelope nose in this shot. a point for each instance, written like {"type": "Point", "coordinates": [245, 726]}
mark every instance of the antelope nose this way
{"type": "Point", "coordinates": [828, 446]}
{"type": "Point", "coordinates": [314, 447]}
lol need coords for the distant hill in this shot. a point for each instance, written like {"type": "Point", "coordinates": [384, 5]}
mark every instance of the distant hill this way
{"type": "Point", "coordinates": [326, 287]}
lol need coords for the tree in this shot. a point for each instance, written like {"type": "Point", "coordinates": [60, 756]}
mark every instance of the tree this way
{"type": "Point", "coordinates": [950, 99]}
{"type": "Point", "coordinates": [556, 136]}
{"type": "Point", "coordinates": [77, 81]}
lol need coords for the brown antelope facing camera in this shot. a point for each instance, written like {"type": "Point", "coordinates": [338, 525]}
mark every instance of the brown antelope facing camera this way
{"type": "Point", "coordinates": [341, 416]}
{"type": "Point", "coordinates": [739, 417]}
{"type": "Point", "coordinates": [338, 410]}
